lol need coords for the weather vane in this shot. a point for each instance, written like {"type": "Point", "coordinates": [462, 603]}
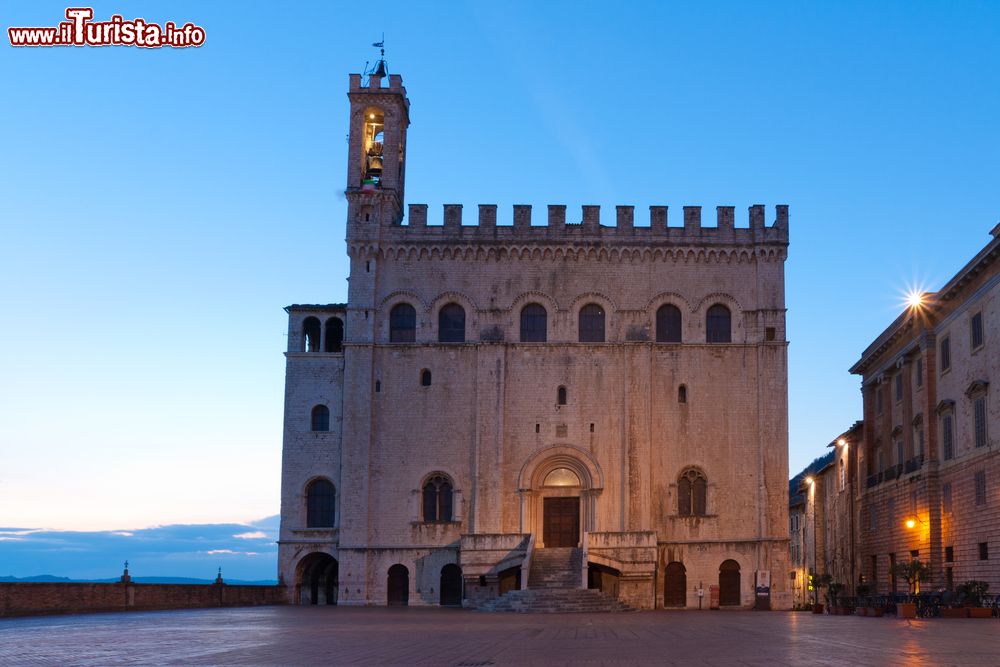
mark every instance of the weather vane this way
{"type": "Point", "coordinates": [379, 69]}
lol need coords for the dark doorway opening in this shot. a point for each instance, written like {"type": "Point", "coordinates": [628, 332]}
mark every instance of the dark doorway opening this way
{"type": "Point", "coordinates": [399, 586]}
{"type": "Point", "coordinates": [603, 578]}
{"type": "Point", "coordinates": [318, 579]}
{"type": "Point", "coordinates": [729, 583]}
{"type": "Point", "coordinates": [451, 586]}
{"type": "Point", "coordinates": [509, 580]}
{"type": "Point", "coordinates": [561, 522]}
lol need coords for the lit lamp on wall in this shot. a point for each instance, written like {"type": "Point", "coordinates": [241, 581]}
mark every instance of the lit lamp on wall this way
{"type": "Point", "coordinates": [911, 522]}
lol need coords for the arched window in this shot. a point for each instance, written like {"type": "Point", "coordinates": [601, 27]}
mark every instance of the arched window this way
{"type": "Point", "coordinates": [451, 324]}
{"type": "Point", "coordinates": [668, 324]}
{"type": "Point", "coordinates": [334, 335]}
{"type": "Point", "coordinates": [321, 418]}
{"type": "Point", "coordinates": [438, 498]}
{"type": "Point", "coordinates": [718, 325]}
{"type": "Point", "coordinates": [682, 394]}
{"type": "Point", "coordinates": [691, 491]}
{"type": "Point", "coordinates": [320, 498]}
{"type": "Point", "coordinates": [425, 378]}
{"type": "Point", "coordinates": [402, 324]}
{"type": "Point", "coordinates": [561, 396]}
{"type": "Point", "coordinates": [310, 335]}
{"type": "Point", "coordinates": [591, 324]}
{"type": "Point", "coordinates": [534, 323]}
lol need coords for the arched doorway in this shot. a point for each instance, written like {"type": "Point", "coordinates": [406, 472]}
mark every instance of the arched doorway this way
{"type": "Point", "coordinates": [561, 514]}
{"type": "Point", "coordinates": [729, 583]}
{"type": "Point", "coordinates": [451, 586]}
{"type": "Point", "coordinates": [398, 586]}
{"type": "Point", "coordinates": [675, 585]}
{"type": "Point", "coordinates": [318, 579]}
{"type": "Point", "coordinates": [559, 487]}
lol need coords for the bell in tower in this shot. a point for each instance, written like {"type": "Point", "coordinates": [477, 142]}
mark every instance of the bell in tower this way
{"type": "Point", "coordinates": [380, 115]}
{"type": "Point", "coordinates": [374, 141]}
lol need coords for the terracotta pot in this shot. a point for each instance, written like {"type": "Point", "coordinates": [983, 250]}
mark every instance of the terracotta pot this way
{"type": "Point", "coordinates": [818, 609]}
{"type": "Point", "coordinates": [953, 613]}
{"type": "Point", "coordinates": [979, 612]}
{"type": "Point", "coordinates": [906, 610]}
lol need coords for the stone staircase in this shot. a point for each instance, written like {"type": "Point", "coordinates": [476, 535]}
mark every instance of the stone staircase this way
{"type": "Point", "coordinates": [557, 568]}
{"type": "Point", "coordinates": [554, 587]}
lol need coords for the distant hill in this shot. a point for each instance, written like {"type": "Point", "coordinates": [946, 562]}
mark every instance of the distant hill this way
{"type": "Point", "coordinates": [48, 578]}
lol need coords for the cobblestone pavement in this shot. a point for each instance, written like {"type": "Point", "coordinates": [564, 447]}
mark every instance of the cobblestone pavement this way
{"type": "Point", "coordinates": [365, 636]}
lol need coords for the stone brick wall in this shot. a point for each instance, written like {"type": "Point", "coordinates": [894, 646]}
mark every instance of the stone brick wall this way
{"type": "Point", "coordinates": [915, 484]}
{"type": "Point", "coordinates": [28, 598]}
{"type": "Point", "coordinates": [490, 419]}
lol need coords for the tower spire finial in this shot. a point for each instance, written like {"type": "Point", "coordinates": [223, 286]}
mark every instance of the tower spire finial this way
{"type": "Point", "coordinates": [380, 69]}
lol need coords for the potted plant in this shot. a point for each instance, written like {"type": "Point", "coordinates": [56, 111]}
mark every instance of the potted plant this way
{"type": "Point", "coordinates": [819, 581]}
{"type": "Point", "coordinates": [913, 572]}
{"type": "Point", "coordinates": [832, 600]}
{"type": "Point", "coordinates": [973, 594]}
{"type": "Point", "coordinates": [862, 590]}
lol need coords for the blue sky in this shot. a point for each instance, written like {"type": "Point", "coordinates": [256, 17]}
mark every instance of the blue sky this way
{"type": "Point", "coordinates": [160, 207]}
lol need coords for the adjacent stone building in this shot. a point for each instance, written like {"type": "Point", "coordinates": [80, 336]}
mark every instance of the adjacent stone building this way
{"type": "Point", "coordinates": [919, 478]}
{"type": "Point", "coordinates": [930, 468]}
{"type": "Point", "coordinates": [822, 518]}
{"type": "Point", "coordinates": [609, 396]}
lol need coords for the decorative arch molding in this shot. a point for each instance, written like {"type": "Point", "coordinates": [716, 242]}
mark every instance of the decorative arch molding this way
{"type": "Point", "coordinates": [316, 478]}
{"type": "Point", "coordinates": [544, 461]}
{"type": "Point", "coordinates": [897, 431]}
{"type": "Point", "coordinates": [443, 299]}
{"type": "Point", "coordinates": [533, 493]}
{"type": "Point", "coordinates": [416, 494]}
{"type": "Point", "coordinates": [472, 250]}
{"type": "Point", "coordinates": [437, 470]}
{"type": "Point", "coordinates": [593, 297]}
{"type": "Point", "coordinates": [523, 299]}
{"type": "Point", "coordinates": [683, 470]}
{"type": "Point", "coordinates": [664, 298]}
{"type": "Point", "coordinates": [710, 300]}
{"type": "Point", "coordinates": [399, 296]}
{"type": "Point", "coordinates": [918, 420]}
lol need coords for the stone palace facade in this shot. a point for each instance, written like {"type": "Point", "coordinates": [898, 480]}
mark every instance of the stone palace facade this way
{"type": "Point", "coordinates": [613, 395]}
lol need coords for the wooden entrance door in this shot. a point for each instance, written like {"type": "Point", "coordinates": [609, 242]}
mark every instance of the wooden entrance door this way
{"type": "Point", "coordinates": [729, 583]}
{"type": "Point", "coordinates": [561, 522]}
{"type": "Point", "coordinates": [675, 585]}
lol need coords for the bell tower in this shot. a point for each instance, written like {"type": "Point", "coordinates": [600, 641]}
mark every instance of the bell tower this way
{"type": "Point", "coordinates": [376, 159]}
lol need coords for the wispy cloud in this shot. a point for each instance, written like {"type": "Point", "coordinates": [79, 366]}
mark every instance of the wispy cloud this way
{"type": "Point", "coordinates": [178, 550]}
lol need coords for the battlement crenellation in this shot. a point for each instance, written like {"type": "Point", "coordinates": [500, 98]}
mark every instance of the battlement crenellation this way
{"type": "Point", "coordinates": [589, 225]}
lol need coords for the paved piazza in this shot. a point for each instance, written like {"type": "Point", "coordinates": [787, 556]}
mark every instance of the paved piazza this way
{"type": "Point", "coordinates": [344, 635]}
